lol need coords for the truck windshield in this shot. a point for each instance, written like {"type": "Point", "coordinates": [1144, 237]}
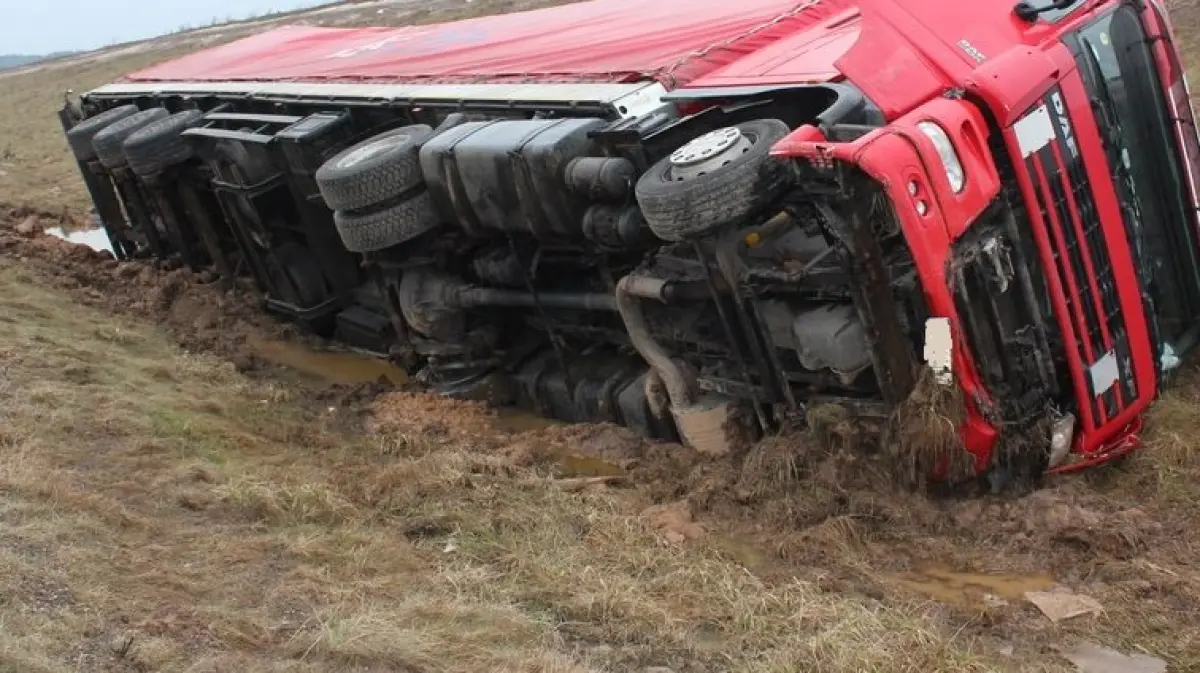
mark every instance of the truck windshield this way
{"type": "Point", "coordinates": [1122, 79]}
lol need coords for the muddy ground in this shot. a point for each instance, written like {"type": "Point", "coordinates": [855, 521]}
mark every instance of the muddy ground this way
{"type": "Point", "coordinates": [199, 313]}
{"type": "Point", "coordinates": [789, 511]}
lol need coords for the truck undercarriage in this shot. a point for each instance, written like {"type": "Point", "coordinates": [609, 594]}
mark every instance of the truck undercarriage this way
{"type": "Point", "coordinates": [592, 267]}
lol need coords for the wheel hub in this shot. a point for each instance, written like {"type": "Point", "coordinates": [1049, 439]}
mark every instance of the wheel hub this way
{"type": "Point", "coordinates": [365, 152]}
{"type": "Point", "coordinates": [708, 153]}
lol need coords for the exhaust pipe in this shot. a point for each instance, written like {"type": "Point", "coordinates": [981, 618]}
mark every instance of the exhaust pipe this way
{"type": "Point", "coordinates": [706, 423]}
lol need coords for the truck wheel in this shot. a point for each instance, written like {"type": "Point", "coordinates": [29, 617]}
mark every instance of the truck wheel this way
{"type": "Point", "coordinates": [374, 231]}
{"type": "Point", "coordinates": [714, 180]}
{"type": "Point", "coordinates": [109, 143]}
{"type": "Point", "coordinates": [375, 170]}
{"type": "Point", "coordinates": [80, 136]}
{"type": "Point", "coordinates": [159, 145]}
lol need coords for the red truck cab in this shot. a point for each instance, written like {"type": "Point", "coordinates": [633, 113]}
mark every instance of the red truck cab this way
{"type": "Point", "coordinates": [1071, 129]}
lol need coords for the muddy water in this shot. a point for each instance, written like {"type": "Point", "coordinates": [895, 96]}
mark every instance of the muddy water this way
{"type": "Point", "coordinates": [576, 465]}
{"type": "Point", "coordinates": [96, 239]}
{"type": "Point", "coordinates": [972, 590]}
{"type": "Point", "coordinates": [345, 367]}
{"type": "Point", "coordinates": [328, 366]}
{"type": "Point", "coordinates": [516, 421]}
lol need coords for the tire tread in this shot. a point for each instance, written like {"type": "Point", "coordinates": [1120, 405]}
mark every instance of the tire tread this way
{"type": "Point", "coordinates": [378, 230]}
{"type": "Point", "coordinates": [375, 180]}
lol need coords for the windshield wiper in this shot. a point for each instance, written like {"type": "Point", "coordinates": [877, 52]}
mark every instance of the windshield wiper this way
{"type": "Point", "coordinates": [1103, 98]}
{"type": "Point", "coordinates": [1027, 11]}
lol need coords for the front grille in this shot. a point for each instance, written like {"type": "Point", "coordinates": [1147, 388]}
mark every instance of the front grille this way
{"type": "Point", "coordinates": [1068, 211]}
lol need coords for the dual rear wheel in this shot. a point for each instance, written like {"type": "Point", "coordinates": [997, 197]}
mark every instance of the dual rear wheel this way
{"type": "Point", "coordinates": [376, 190]}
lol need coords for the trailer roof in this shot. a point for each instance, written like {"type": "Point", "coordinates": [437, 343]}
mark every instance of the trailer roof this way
{"type": "Point", "coordinates": [602, 41]}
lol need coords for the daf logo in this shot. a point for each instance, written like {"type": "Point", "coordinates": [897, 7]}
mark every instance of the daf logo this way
{"type": "Point", "coordinates": [1064, 122]}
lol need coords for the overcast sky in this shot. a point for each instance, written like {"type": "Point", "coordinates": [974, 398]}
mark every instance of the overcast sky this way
{"type": "Point", "coordinates": [43, 26]}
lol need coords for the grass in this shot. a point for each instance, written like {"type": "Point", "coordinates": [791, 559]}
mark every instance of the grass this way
{"type": "Point", "coordinates": [36, 165]}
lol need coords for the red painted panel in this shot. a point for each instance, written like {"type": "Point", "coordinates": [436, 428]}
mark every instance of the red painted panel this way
{"type": "Point", "coordinates": [674, 41]}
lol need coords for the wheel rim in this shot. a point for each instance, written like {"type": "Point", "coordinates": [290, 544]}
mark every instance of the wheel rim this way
{"type": "Point", "coordinates": [366, 152]}
{"type": "Point", "coordinates": [708, 153]}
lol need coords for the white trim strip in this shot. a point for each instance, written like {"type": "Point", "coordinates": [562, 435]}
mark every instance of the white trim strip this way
{"type": "Point", "coordinates": [939, 349]}
{"type": "Point", "coordinates": [1105, 374]}
{"type": "Point", "coordinates": [1034, 131]}
{"type": "Point", "coordinates": [635, 99]}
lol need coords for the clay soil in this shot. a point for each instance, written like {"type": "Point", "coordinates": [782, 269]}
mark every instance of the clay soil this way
{"type": "Point", "coordinates": [171, 500]}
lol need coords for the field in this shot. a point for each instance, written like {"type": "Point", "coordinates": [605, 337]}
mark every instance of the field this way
{"type": "Point", "coordinates": [185, 485]}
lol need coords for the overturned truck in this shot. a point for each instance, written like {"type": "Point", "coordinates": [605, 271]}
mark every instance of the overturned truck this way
{"type": "Point", "coordinates": [701, 219]}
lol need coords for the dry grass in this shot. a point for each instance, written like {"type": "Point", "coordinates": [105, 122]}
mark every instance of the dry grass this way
{"type": "Point", "coordinates": [160, 512]}
{"type": "Point", "coordinates": [36, 166]}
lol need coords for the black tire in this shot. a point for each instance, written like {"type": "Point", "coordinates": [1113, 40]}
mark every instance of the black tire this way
{"type": "Point", "coordinates": [159, 145]}
{"type": "Point", "coordinates": [374, 231]}
{"type": "Point", "coordinates": [679, 210]}
{"type": "Point", "coordinates": [375, 170]}
{"type": "Point", "coordinates": [109, 143]}
{"type": "Point", "coordinates": [80, 136]}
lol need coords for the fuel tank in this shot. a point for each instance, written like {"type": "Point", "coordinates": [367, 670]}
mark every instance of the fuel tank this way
{"type": "Point", "coordinates": [507, 176]}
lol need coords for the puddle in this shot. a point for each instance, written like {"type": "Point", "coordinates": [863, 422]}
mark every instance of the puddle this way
{"type": "Point", "coordinates": [96, 239]}
{"type": "Point", "coordinates": [972, 590]}
{"type": "Point", "coordinates": [575, 465]}
{"type": "Point", "coordinates": [516, 421]}
{"type": "Point", "coordinates": [351, 368]}
{"type": "Point", "coordinates": [329, 366]}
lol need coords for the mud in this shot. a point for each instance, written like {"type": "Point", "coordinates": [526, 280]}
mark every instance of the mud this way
{"type": "Point", "coordinates": [200, 314]}
{"type": "Point", "coordinates": [795, 500]}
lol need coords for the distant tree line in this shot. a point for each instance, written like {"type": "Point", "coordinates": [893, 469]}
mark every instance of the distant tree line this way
{"type": "Point", "coordinates": [18, 60]}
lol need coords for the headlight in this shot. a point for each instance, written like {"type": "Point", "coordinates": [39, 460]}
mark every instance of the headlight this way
{"type": "Point", "coordinates": [945, 149]}
{"type": "Point", "coordinates": [1062, 434]}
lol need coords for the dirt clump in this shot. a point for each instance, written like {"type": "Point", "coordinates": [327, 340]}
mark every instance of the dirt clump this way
{"type": "Point", "coordinates": [28, 226]}
{"type": "Point", "coordinates": [674, 522]}
{"type": "Point", "coordinates": [435, 419]}
{"type": "Point", "coordinates": [923, 435]}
